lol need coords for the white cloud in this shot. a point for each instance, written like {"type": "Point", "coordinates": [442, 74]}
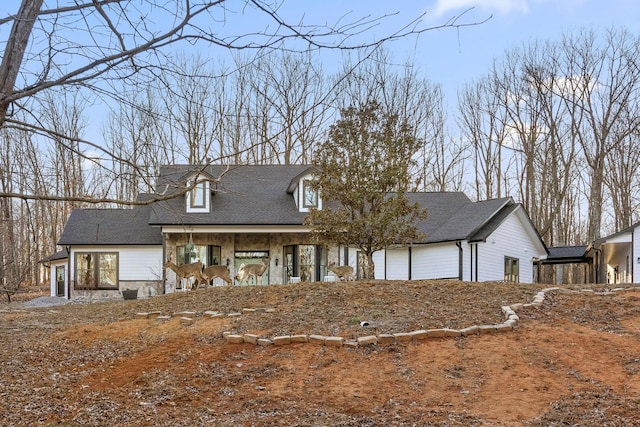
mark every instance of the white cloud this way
{"type": "Point", "coordinates": [504, 7]}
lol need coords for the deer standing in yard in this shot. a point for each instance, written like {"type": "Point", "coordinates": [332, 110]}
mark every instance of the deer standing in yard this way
{"type": "Point", "coordinates": [245, 272]}
{"type": "Point", "coordinates": [213, 271]}
{"type": "Point", "coordinates": [186, 271]}
{"type": "Point", "coordinates": [344, 272]}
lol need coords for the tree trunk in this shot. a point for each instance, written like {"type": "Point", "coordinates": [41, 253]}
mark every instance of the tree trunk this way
{"type": "Point", "coordinates": [14, 51]}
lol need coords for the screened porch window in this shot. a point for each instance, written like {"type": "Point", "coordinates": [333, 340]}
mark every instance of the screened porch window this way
{"type": "Point", "coordinates": [96, 270]}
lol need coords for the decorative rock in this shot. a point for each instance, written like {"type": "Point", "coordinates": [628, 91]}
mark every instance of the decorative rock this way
{"type": "Point", "coordinates": [419, 335]}
{"type": "Point", "coordinates": [185, 314]}
{"type": "Point", "coordinates": [402, 337]}
{"type": "Point", "coordinates": [299, 338]}
{"type": "Point", "coordinates": [282, 340]}
{"type": "Point", "coordinates": [435, 333]}
{"type": "Point", "coordinates": [317, 339]}
{"type": "Point", "coordinates": [386, 339]}
{"type": "Point", "coordinates": [186, 321]}
{"type": "Point", "coordinates": [333, 341]}
{"type": "Point", "coordinates": [471, 330]}
{"type": "Point", "coordinates": [251, 338]}
{"type": "Point", "coordinates": [234, 339]}
{"type": "Point", "coordinates": [503, 327]}
{"type": "Point", "coordinates": [487, 329]}
{"type": "Point", "coordinates": [510, 322]}
{"type": "Point", "coordinates": [370, 340]}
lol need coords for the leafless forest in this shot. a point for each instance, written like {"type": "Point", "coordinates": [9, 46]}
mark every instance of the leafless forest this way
{"type": "Point", "coordinates": [89, 115]}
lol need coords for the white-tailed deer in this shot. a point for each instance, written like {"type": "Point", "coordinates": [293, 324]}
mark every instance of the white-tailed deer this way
{"type": "Point", "coordinates": [344, 272]}
{"type": "Point", "coordinates": [246, 272]}
{"type": "Point", "coordinates": [213, 271]}
{"type": "Point", "coordinates": [186, 271]}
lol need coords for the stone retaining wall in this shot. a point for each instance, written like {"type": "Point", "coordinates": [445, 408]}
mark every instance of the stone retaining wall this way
{"type": "Point", "coordinates": [510, 320]}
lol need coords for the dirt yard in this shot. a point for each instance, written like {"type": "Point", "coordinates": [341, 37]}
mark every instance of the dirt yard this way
{"type": "Point", "coordinates": [574, 361]}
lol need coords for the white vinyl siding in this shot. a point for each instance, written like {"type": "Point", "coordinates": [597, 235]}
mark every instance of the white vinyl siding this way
{"type": "Point", "coordinates": [140, 263]}
{"type": "Point", "coordinates": [509, 240]}
{"type": "Point", "coordinates": [397, 264]}
{"type": "Point", "coordinates": [379, 267]}
{"type": "Point", "coordinates": [53, 277]}
{"type": "Point", "coordinates": [136, 263]}
{"type": "Point", "coordinates": [635, 265]}
{"type": "Point", "coordinates": [436, 261]}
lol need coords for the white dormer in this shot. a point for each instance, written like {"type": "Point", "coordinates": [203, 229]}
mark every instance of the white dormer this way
{"type": "Point", "coordinates": [198, 199]}
{"type": "Point", "coordinates": [308, 195]}
{"type": "Point", "coordinates": [305, 196]}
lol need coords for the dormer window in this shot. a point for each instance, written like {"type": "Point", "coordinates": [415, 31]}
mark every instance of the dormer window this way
{"type": "Point", "coordinates": [303, 188]}
{"type": "Point", "coordinates": [198, 198]}
{"type": "Point", "coordinates": [198, 195]}
{"type": "Point", "coordinates": [309, 195]}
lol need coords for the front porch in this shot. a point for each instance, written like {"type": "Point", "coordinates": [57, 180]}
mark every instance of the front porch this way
{"type": "Point", "coordinates": [292, 256]}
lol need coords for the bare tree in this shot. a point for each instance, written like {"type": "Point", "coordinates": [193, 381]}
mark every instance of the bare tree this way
{"type": "Point", "coordinates": [602, 87]}
{"type": "Point", "coordinates": [104, 46]}
{"type": "Point", "coordinates": [483, 125]}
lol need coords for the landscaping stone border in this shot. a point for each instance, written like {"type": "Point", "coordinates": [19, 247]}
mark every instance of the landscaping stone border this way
{"type": "Point", "coordinates": [187, 318]}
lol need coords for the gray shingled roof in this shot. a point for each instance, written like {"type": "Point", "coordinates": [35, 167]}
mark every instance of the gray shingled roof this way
{"type": "Point", "coordinates": [110, 227]}
{"type": "Point", "coordinates": [60, 255]}
{"type": "Point", "coordinates": [261, 195]}
{"type": "Point", "coordinates": [566, 253]}
{"type": "Point", "coordinates": [459, 219]}
{"type": "Point", "coordinates": [244, 195]}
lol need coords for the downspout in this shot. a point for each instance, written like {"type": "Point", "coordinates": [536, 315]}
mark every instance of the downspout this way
{"type": "Point", "coordinates": [163, 260]}
{"type": "Point", "coordinates": [460, 259]}
{"type": "Point", "coordinates": [633, 235]}
{"type": "Point", "coordinates": [68, 248]}
{"type": "Point", "coordinates": [471, 259]}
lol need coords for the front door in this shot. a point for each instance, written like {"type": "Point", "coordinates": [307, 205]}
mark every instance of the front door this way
{"type": "Point", "coordinates": [251, 257]}
{"type": "Point", "coordinates": [60, 276]}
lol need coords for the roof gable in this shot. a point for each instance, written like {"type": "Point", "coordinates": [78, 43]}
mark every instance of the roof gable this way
{"type": "Point", "coordinates": [110, 227]}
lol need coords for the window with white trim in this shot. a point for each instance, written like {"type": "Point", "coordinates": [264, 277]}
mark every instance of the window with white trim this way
{"type": "Point", "coordinates": [511, 269]}
{"type": "Point", "coordinates": [309, 195]}
{"type": "Point", "coordinates": [198, 198]}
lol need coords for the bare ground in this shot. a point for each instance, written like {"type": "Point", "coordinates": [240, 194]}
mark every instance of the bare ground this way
{"type": "Point", "coordinates": [574, 361]}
